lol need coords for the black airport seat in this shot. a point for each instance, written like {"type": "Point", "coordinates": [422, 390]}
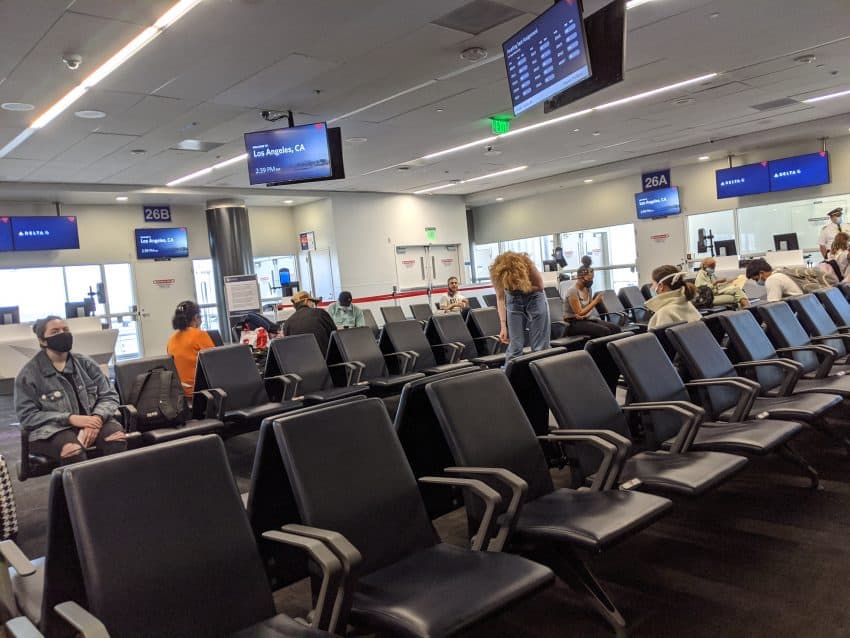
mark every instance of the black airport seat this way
{"type": "Point", "coordinates": [574, 390]}
{"type": "Point", "coordinates": [356, 345]}
{"type": "Point", "coordinates": [228, 377]}
{"type": "Point", "coordinates": [215, 335]}
{"type": "Point", "coordinates": [392, 313]}
{"type": "Point", "coordinates": [484, 325]}
{"type": "Point", "coordinates": [473, 303]}
{"type": "Point", "coordinates": [611, 309]}
{"type": "Point", "coordinates": [601, 355]}
{"type": "Point", "coordinates": [407, 336]}
{"type": "Point", "coordinates": [819, 325]}
{"type": "Point", "coordinates": [452, 329]}
{"type": "Point", "coordinates": [633, 301]}
{"type": "Point", "coordinates": [551, 292]}
{"type": "Point", "coordinates": [489, 300]}
{"type": "Point", "coordinates": [369, 318]}
{"type": "Point", "coordinates": [491, 437]}
{"type": "Point", "coordinates": [299, 358]}
{"type": "Point", "coordinates": [421, 311]}
{"type": "Point", "coordinates": [837, 306]}
{"type": "Point", "coordinates": [660, 333]}
{"type": "Point", "coordinates": [525, 388]}
{"type": "Point", "coordinates": [646, 291]}
{"type": "Point", "coordinates": [558, 334]}
{"type": "Point", "coordinates": [126, 373]}
{"type": "Point", "coordinates": [844, 288]}
{"type": "Point", "coordinates": [408, 582]}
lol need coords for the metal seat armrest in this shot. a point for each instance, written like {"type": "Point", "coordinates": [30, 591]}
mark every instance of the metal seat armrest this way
{"type": "Point", "coordinates": [691, 419]}
{"type": "Point", "coordinates": [452, 351]}
{"type": "Point", "coordinates": [622, 444]}
{"type": "Point", "coordinates": [623, 318]}
{"type": "Point", "coordinates": [129, 417]}
{"type": "Point", "coordinates": [11, 556]}
{"type": "Point", "coordinates": [558, 328]}
{"type": "Point", "coordinates": [749, 390]}
{"type": "Point", "coordinates": [826, 356]}
{"type": "Point", "coordinates": [403, 359]}
{"type": "Point", "coordinates": [332, 574]}
{"type": "Point", "coordinates": [843, 336]}
{"type": "Point", "coordinates": [83, 621]}
{"type": "Point", "coordinates": [486, 493]}
{"type": "Point", "coordinates": [22, 627]}
{"type": "Point", "coordinates": [212, 404]}
{"type": "Point", "coordinates": [353, 371]}
{"type": "Point", "coordinates": [608, 472]}
{"type": "Point", "coordinates": [518, 488]}
{"type": "Point", "coordinates": [278, 387]}
{"type": "Point", "coordinates": [793, 371]}
{"type": "Point", "coordinates": [413, 357]}
{"type": "Point", "coordinates": [294, 382]}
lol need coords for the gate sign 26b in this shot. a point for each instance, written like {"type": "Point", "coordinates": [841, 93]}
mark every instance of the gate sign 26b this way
{"type": "Point", "coordinates": [656, 179]}
{"type": "Point", "coordinates": [157, 213]}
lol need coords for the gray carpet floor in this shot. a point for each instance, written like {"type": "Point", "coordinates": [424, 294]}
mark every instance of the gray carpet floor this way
{"type": "Point", "coordinates": [762, 556]}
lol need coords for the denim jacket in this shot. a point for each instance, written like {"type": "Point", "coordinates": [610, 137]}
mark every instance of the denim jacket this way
{"type": "Point", "coordinates": [45, 399]}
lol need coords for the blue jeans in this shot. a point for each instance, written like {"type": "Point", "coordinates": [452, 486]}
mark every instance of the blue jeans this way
{"type": "Point", "coordinates": [526, 311]}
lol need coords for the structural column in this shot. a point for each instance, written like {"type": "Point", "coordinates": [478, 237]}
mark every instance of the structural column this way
{"type": "Point", "coordinates": [230, 247]}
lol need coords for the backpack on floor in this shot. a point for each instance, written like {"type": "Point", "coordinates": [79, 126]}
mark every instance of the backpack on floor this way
{"type": "Point", "coordinates": [159, 400]}
{"type": "Point", "coordinates": [809, 279]}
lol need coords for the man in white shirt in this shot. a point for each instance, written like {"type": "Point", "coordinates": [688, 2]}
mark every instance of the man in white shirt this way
{"type": "Point", "coordinates": [778, 285]}
{"type": "Point", "coordinates": [453, 301]}
{"type": "Point", "coordinates": [828, 232]}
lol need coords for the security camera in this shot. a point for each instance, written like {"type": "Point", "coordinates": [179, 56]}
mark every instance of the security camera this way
{"type": "Point", "coordinates": [273, 116]}
{"type": "Point", "coordinates": [489, 148]}
{"type": "Point", "coordinates": [72, 61]}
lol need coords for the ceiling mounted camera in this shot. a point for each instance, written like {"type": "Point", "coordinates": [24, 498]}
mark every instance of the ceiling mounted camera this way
{"type": "Point", "coordinates": [72, 61]}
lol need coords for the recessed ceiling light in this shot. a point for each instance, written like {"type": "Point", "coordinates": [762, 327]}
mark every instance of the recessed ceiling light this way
{"type": "Point", "coordinates": [138, 151]}
{"type": "Point", "coordinates": [356, 140]}
{"type": "Point", "coordinates": [473, 54]}
{"type": "Point", "coordinates": [588, 181]}
{"type": "Point", "coordinates": [16, 106]}
{"type": "Point", "coordinates": [596, 133]}
{"type": "Point", "coordinates": [576, 130]}
{"type": "Point", "coordinates": [500, 199]}
{"type": "Point", "coordinates": [288, 201]}
{"type": "Point", "coordinates": [587, 161]}
{"type": "Point", "coordinates": [121, 198]}
{"type": "Point", "coordinates": [703, 158]}
{"type": "Point", "coordinates": [714, 15]}
{"type": "Point", "coordinates": [805, 59]}
{"type": "Point", "coordinates": [440, 110]}
{"type": "Point", "coordinates": [90, 114]}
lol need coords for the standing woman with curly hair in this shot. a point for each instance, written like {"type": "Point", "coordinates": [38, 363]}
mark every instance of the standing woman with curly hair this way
{"type": "Point", "coordinates": [521, 303]}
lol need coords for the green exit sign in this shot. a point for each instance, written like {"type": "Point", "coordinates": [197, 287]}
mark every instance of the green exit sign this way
{"type": "Point", "coordinates": [500, 124]}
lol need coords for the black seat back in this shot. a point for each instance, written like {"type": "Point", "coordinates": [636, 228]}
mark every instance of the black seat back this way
{"type": "Point", "coordinates": [651, 377]}
{"type": "Point", "coordinates": [392, 313]}
{"type": "Point", "coordinates": [126, 373]}
{"type": "Point", "coordinates": [611, 303]}
{"type": "Point", "coordinates": [551, 292]}
{"type": "Point", "coordinates": [483, 323]}
{"type": "Point", "coordinates": [486, 433]}
{"type": "Point", "coordinates": [232, 369]}
{"type": "Point", "coordinates": [646, 291]}
{"type": "Point", "coordinates": [845, 289]}
{"type": "Point", "coordinates": [489, 300]}
{"type": "Point", "coordinates": [703, 358]}
{"type": "Point", "coordinates": [632, 298]}
{"type": "Point", "coordinates": [450, 328]}
{"type": "Point", "coordinates": [369, 318]}
{"type": "Point", "coordinates": [785, 331]}
{"type": "Point", "coordinates": [357, 344]}
{"type": "Point", "coordinates": [660, 333]}
{"type": "Point", "coordinates": [598, 351]}
{"type": "Point", "coordinates": [170, 553]}
{"type": "Point", "coordinates": [715, 325]}
{"type": "Point", "coordinates": [401, 336]}
{"type": "Point", "coordinates": [299, 354]}
{"type": "Point", "coordinates": [816, 321]}
{"type": "Point", "coordinates": [525, 388]}
{"type": "Point", "coordinates": [556, 308]}
{"type": "Point", "coordinates": [574, 390]}
{"type": "Point", "coordinates": [423, 442]}
{"type": "Point", "coordinates": [473, 303]}
{"type": "Point", "coordinates": [748, 342]}
{"type": "Point", "coordinates": [421, 311]}
{"type": "Point", "coordinates": [836, 305]}
{"type": "Point", "coordinates": [215, 335]}
{"type": "Point", "coordinates": [349, 474]}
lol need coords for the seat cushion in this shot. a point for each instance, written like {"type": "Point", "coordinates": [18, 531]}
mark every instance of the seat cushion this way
{"type": "Point", "coordinates": [259, 412]}
{"type": "Point", "coordinates": [331, 394]}
{"type": "Point", "coordinates": [278, 626]}
{"type": "Point", "coordinates": [490, 360]}
{"type": "Point", "coordinates": [191, 428]}
{"type": "Point", "coordinates": [691, 474]}
{"type": "Point", "coordinates": [570, 343]}
{"type": "Point", "coordinates": [394, 380]}
{"type": "Point", "coordinates": [442, 589]}
{"type": "Point", "coordinates": [28, 590]}
{"type": "Point", "coordinates": [753, 437]}
{"type": "Point", "coordinates": [447, 367]}
{"type": "Point", "coordinates": [839, 385]}
{"type": "Point", "coordinates": [592, 520]}
{"type": "Point", "coordinates": [803, 407]}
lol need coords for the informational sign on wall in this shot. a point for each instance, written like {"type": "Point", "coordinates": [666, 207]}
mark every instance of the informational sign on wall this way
{"type": "Point", "coordinates": [156, 213]}
{"type": "Point", "coordinates": [430, 233]}
{"type": "Point", "coordinates": [307, 241]}
{"type": "Point", "coordinates": [656, 179]}
{"type": "Point", "coordinates": [242, 293]}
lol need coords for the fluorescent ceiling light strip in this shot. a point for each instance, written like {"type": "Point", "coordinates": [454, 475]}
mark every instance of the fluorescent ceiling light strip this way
{"type": "Point", "coordinates": [433, 188]}
{"type": "Point", "coordinates": [454, 149]}
{"type": "Point", "coordinates": [67, 100]}
{"type": "Point", "coordinates": [17, 141]}
{"type": "Point", "coordinates": [496, 174]}
{"type": "Point", "coordinates": [127, 51]}
{"type": "Point", "coordinates": [379, 102]}
{"type": "Point", "coordinates": [826, 97]}
{"type": "Point", "coordinates": [175, 13]}
{"type": "Point", "coordinates": [631, 4]}
{"type": "Point", "coordinates": [663, 89]}
{"type": "Point", "coordinates": [208, 170]}
{"type": "Point", "coordinates": [557, 120]}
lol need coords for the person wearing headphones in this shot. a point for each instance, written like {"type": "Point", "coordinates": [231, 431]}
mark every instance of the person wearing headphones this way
{"type": "Point", "coordinates": [672, 300]}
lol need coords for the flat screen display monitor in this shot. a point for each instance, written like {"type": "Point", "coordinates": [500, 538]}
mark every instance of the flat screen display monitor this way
{"type": "Point", "coordinates": [786, 241]}
{"type": "Point", "coordinates": [547, 56]}
{"type": "Point", "coordinates": [45, 233]}
{"type": "Point", "coordinates": [6, 235]}
{"type": "Point", "coordinates": [749, 179]}
{"type": "Point", "coordinates": [661, 202]}
{"type": "Point", "coordinates": [606, 45]}
{"type": "Point", "coordinates": [161, 243]}
{"type": "Point", "coordinates": [337, 166]}
{"type": "Point", "coordinates": [288, 155]}
{"type": "Point", "coordinates": [725, 248]}
{"type": "Point", "coordinates": [799, 171]}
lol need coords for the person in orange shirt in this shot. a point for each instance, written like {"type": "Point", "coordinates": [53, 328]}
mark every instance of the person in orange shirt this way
{"type": "Point", "coordinates": [185, 344]}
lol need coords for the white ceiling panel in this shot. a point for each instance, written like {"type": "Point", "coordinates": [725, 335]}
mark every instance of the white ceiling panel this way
{"type": "Point", "coordinates": [93, 148]}
{"type": "Point", "coordinates": [145, 115]}
{"type": "Point", "coordinates": [140, 12]}
{"type": "Point", "coordinates": [22, 24]}
{"type": "Point", "coordinates": [16, 169]}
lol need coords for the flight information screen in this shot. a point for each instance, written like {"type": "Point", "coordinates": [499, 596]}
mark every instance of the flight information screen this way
{"type": "Point", "coordinates": [749, 179]}
{"type": "Point", "coordinates": [547, 56]}
{"type": "Point", "coordinates": [799, 171]}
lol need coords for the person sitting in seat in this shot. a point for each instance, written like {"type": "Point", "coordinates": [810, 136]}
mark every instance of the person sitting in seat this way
{"type": "Point", "coordinates": [838, 255]}
{"type": "Point", "coordinates": [185, 344]}
{"type": "Point", "coordinates": [580, 308]}
{"type": "Point", "coordinates": [672, 300]}
{"type": "Point", "coordinates": [453, 301]}
{"type": "Point", "coordinates": [308, 319]}
{"type": "Point", "coordinates": [64, 400]}
{"type": "Point", "coordinates": [723, 295]}
{"type": "Point", "coordinates": [345, 314]}
{"type": "Point", "coordinates": [778, 284]}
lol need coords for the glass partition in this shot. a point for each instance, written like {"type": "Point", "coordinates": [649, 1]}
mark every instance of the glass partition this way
{"type": "Point", "coordinates": [721, 224]}
{"type": "Point", "coordinates": [613, 251]}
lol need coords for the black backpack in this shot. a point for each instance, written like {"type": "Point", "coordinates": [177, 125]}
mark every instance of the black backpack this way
{"type": "Point", "coordinates": [158, 399]}
{"type": "Point", "coordinates": [704, 297]}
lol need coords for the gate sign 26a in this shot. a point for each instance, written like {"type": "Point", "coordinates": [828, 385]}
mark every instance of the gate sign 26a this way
{"type": "Point", "coordinates": [656, 179]}
{"type": "Point", "coordinates": [157, 213]}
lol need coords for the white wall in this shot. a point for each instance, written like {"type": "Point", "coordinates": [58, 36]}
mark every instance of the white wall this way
{"type": "Point", "coordinates": [612, 202]}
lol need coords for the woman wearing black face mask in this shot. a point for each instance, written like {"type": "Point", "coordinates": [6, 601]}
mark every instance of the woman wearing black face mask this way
{"type": "Point", "coordinates": [580, 308]}
{"type": "Point", "coordinates": [64, 401]}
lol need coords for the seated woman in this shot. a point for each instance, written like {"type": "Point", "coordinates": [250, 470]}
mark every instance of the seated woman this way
{"type": "Point", "coordinates": [64, 400]}
{"type": "Point", "coordinates": [580, 308]}
{"type": "Point", "coordinates": [185, 344]}
{"type": "Point", "coordinates": [723, 295]}
{"type": "Point", "coordinates": [838, 255]}
{"type": "Point", "coordinates": [672, 302]}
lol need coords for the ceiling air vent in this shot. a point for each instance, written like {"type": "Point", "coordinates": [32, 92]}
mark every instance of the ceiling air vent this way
{"type": "Point", "coordinates": [477, 16]}
{"type": "Point", "coordinates": [775, 104]}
